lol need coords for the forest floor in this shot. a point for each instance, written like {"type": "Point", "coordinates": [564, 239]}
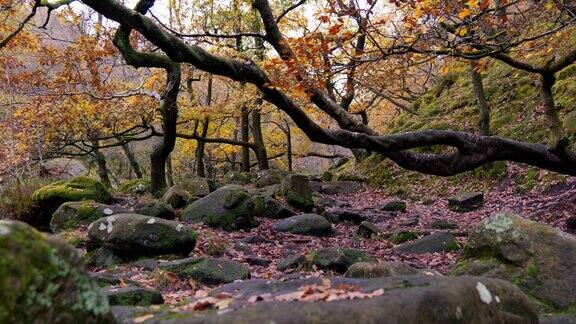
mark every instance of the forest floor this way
{"type": "Point", "coordinates": [553, 206]}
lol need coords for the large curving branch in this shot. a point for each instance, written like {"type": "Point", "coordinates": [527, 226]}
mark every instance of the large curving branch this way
{"type": "Point", "coordinates": [472, 150]}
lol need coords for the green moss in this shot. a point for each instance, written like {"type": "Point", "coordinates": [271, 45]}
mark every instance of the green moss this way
{"type": "Point", "coordinates": [41, 278]}
{"type": "Point", "coordinates": [131, 186]}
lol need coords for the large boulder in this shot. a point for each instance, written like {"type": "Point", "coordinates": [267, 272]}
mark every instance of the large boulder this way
{"type": "Point", "coordinates": [296, 190]}
{"type": "Point", "coordinates": [141, 234]}
{"type": "Point", "coordinates": [48, 198]}
{"type": "Point", "coordinates": [538, 258]}
{"type": "Point", "coordinates": [305, 224]}
{"type": "Point", "coordinates": [435, 242]}
{"type": "Point", "coordinates": [197, 186]}
{"type": "Point", "coordinates": [229, 207]}
{"type": "Point", "coordinates": [403, 299]}
{"type": "Point", "coordinates": [43, 280]}
{"type": "Point", "coordinates": [210, 271]}
{"type": "Point", "coordinates": [272, 208]}
{"type": "Point", "coordinates": [75, 214]}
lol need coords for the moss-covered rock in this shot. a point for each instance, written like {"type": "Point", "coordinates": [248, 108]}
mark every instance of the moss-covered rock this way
{"type": "Point", "coordinates": [176, 197]}
{"type": "Point", "coordinates": [74, 214]}
{"type": "Point", "coordinates": [296, 190]}
{"type": "Point", "coordinates": [42, 280]}
{"type": "Point", "coordinates": [435, 242]}
{"type": "Point", "coordinates": [538, 258]}
{"type": "Point", "coordinates": [48, 198]}
{"type": "Point", "coordinates": [305, 224]}
{"type": "Point", "coordinates": [384, 269]}
{"type": "Point", "coordinates": [229, 207]}
{"type": "Point", "coordinates": [401, 236]}
{"type": "Point", "coordinates": [394, 206]}
{"type": "Point", "coordinates": [142, 235]}
{"type": "Point", "coordinates": [443, 224]}
{"type": "Point", "coordinates": [156, 209]}
{"type": "Point", "coordinates": [337, 259]}
{"type": "Point", "coordinates": [197, 186]}
{"type": "Point", "coordinates": [210, 271]}
{"type": "Point", "coordinates": [135, 186]}
{"type": "Point", "coordinates": [271, 208]}
{"type": "Point", "coordinates": [238, 178]}
{"type": "Point", "coordinates": [269, 177]}
{"type": "Point", "coordinates": [133, 296]}
{"type": "Point", "coordinates": [339, 187]}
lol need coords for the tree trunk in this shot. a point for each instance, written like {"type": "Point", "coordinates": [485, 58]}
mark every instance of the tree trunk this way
{"type": "Point", "coordinates": [551, 112]}
{"type": "Point", "coordinates": [101, 162]}
{"type": "Point", "coordinates": [260, 149]}
{"type": "Point", "coordinates": [289, 146]}
{"type": "Point", "coordinates": [169, 174]}
{"type": "Point", "coordinates": [481, 102]}
{"type": "Point", "coordinates": [169, 111]}
{"type": "Point", "coordinates": [133, 163]}
{"type": "Point", "coordinates": [245, 134]}
{"type": "Point", "coordinates": [200, 168]}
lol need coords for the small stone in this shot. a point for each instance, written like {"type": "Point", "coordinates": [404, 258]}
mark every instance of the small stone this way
{"type": "Point", "coordinates": [291, 262]}
{"type": "Point", "coordinates": [466, 202]}
{"type": "Point", "coordinates": [133, 296]}
{"type": "Point", "coordinates": [443, 224]}
{"type": "Point", "coordinates": [394, 206]}
{"type": "Point", "coordinates": [258, 261]}
{"type": "Point", "coordinates": [409, 222]}
{"type": "Point", "coordinates": [339, 215]}
{"type": "Point", "coordinates": [436, 242]}
{"type": "Point", "coordinates": [367, 230]}
{"type": "Point", "coordinates": [305, 224]}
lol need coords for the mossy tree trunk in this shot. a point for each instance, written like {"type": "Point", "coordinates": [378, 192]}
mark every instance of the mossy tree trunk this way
{"type": "Point", "coordinates": [260, 148]}
{"type": "Point", "coordinates": [480, 96]}
{"type": "Point", "coordinates": [245, 137]}
{"type": "Point", "coordinates": [100, 159]}
{"type": "Point", "coordinates": [132, 160]}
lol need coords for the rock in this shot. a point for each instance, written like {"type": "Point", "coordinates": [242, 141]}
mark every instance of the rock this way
{"type": "Point", "coordinates": [197, 186]}
{"type": "Point", "coordinates": [305, 224]}
{"type": "Point", "coordinates": [229, 208]}
{"type": "Point", "coordinates": [538, 258]}
{"type": "Point", "coordinates": [107, 279]}
{"type": "Point", "coordinates": [141, 234]}
{"type": "Point", "coordinates": [341, 187]}
{"type": "Point", "coordinates": [407, 299]}
{"type": "Point", "coordinates": [103, 257]}
{"type": "Point", "coordinates": [443, 224]}
{"type": "Point", "coordinates": [238, 178]}
{"type": "Point", "coordinates": [385, 269]}
{"type": "Point", "coordinates": [267, 178]}
{"type": "Point", "coordinates": [42, 280]}
{"type": "Point", "coordinates": [244, 248]}
{"type": "Point", "coordinates": [401, 236]}
{"type": "Point", "coordinates": [296, 190]}
{"type": "Point", "coordinates": [315, 186]}
{"type": "Point", "coordinates": [210, 271]}
{"type": "Point", "coordinates": [367, 230]}
{"type": "Point", "coordinates": [291, 262]}
{"type": "Point", "coordinates": [340, 215]}
{"type": "Point", "coordinates": [409, 222]}
{"type": "Point", "coordinates": [261, 262]}
{"type": "Point", "coordinates": [48, 198]}
{"type": "Point", "coordinates": [176, 197]}
{"type": "Point", "coordinates": [466, 202]}
{"type": "Point", "coordinates": [271, 208]}
{"type": "Point", "coordinates": [62, 168]}
{"type": "Point", "coordinates": [146, 264]}
{"type": "Point", "coordinates": [157, 209]}
{"type": "Point", "coordinates": [74, 214]}
{"type": "Point", "coordinates": [136, 186]}
{"type": "Point", "coordinates": [337, 259]}
{"type": "Point", "coordinates": [436, 242]}
{"type": "Point", "coordinates": [133, 296]}
{"type": "Point", "coordinates": [393, 206]}
{"type": "Point", "coordinates": [255, 239]}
